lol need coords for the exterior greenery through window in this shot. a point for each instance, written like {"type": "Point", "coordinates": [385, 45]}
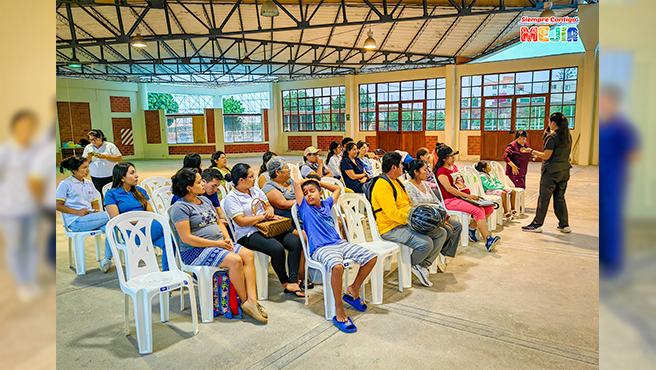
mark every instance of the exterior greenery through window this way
{"type": "Point", "coordinates": [535, 94]}
{"type": "Point", "coordinates": [414, 95]}
{"type": "Point", "coordinates": [318, 109]}
{"type": "Point", "coordinates": [180, 103]}
{"type": "Point", "coordinates": [242, 117]}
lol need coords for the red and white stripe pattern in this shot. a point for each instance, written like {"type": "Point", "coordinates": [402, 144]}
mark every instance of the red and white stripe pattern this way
{"type": "Point", "coordinates": [126, 136]}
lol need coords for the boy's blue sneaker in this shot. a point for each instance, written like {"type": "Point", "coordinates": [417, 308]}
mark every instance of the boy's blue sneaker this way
{"type": "Point", "coordinates": [472, 235]}
{"type": "Point", "coordinates": [491, 242]}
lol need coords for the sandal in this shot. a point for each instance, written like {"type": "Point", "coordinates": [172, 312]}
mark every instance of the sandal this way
{"type": "Point", "coordinates": [355, 303]}
{"type": "Point", "coordinates": [347, 326]}
{"type": "Point", "coordinates": [301, 283]}
{"type": "Point", "coordinates": [295, 292]}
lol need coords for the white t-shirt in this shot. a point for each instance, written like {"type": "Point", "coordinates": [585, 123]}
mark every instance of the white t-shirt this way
{"type": "Point", "coordinates": [42, 167]}
{"type": "Point", "coordinates": [239, 204]}
{"type": "Point", "coordinates": [101, 167]}
{"type": "Point", "coordinates": [15, 162]}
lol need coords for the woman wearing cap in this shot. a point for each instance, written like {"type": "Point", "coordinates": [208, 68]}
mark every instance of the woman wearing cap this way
{"type": "Point", "coordinates": [453, 195]}
{"type": "Point", "coordinates": [314, 164]}
{"type": "Point", "coordinates": [517, 155]}
{"type": "Point", "coordinates": [555, 174]}
{"type": "Point", "coordinates": [102, 157]}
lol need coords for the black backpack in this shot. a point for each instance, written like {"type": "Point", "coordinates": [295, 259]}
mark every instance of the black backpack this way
{"type": "Point", "coordinates": [368, 187]}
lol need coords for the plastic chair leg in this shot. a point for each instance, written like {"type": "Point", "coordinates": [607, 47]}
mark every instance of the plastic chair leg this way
{"type": "Point", "coordinates": [377, 282]}
{"type": "Point", "coordinates": [144, 322]}
{"type": "Point", "coordinates": [70, 252]}
{"type": "Point", "coordinates": [262, 275]}
{"type": "Point", "coordinates": [164, 305]}
{"type": "Point", "coordinates": [192, 298]}
{"type": "Point", "coordinates": [328, 299]}
{"type": "Point", "coordinates": [182, 303]}
{"type": "Point", "coordinates": [400, 271]}
{"type": "Point", "coordinates": [98, 242]}
{"type": "Point", "coordinates": [78, 254]}
{"type": "Point", "coordinates": [205, 295]}
{"type": "Point", "coordinates": [126, 303]}
{"type": "Point", "coordinates": [388, 263]}
{"type": "Point", "coordinates": [405, 260]}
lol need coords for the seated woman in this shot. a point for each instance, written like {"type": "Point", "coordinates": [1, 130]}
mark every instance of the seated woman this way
{"type": "Point", "coordinates": [453, 192]}
{"type": "Point", "coordinates": [419, 192]}
{"type": "Point", "coordinates": [353, 169]}
{"type": "Point", "coordinates": [193, 160]}
{"type": "Point", "coordinates": [126, 196]}
{"type": "Point", "coordinates": [314, 164]}
{"type": "Point", "coordinates": [280, 188]}
{"type": "Point", "coordinates": [79, 202]}
{"type": "Point", "coordinates": [334, 158]}
{"type": "Point", "coordinates": [363, 148]}
{"type": "Point", "coordinates": [220, 162]}
{"type": "Point", "coordinates": [205, 242]}
{"type": "Point", "coordinates": [492, 186]}
{"type": "Point", "coordinates": [238, 207]}
{"type": "Point", "coordinates": [425, 155]}
{"type": "Point", "coordinates": [263, 175]}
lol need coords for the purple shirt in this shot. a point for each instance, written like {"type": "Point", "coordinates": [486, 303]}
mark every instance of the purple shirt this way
{"type": "Point", "coordinates": [520, 159]}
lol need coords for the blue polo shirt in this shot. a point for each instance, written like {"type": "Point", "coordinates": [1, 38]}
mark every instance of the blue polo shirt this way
{"type": "Point", "coordinates": [214, 198]}
{"type": "Point", "coordinates": [125, 201]}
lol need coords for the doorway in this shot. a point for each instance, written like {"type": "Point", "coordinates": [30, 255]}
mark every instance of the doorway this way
{"type": "Point", "coordinates": [400, 125]}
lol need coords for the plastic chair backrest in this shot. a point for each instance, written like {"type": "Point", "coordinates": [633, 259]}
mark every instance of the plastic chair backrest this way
{"type": "Point", "coordinates": [376, 167]}
{"type": "Point", "coordinates": [154, 182]}
{"type": "Point", "coordinates": [162, 199]}
{"type": "Point", "coordinates": [295, 218]}
{"type": "Point", "coordinates": [223, 191]}
{"type": "Point", "coordinates": [295, 171]}
{"type": "Point", "coordinates": [499, 173]}
{"type": "Point", "coordinates": [64, 222]}
{"type": "Point", "coordinates": [142, 259]}
{"type": "Point", "coordinates": [333, 181]}
{"type": "Point", "coordinates": [178, 241]}
{"type": "Point", "coordinates": [105, 188]}
{"type": "Point", "coordinates": [230, 224]}
{"type": "Point", "coordinates": [472, 179]}
{"type": "Point", "coordinates": [352, 206]}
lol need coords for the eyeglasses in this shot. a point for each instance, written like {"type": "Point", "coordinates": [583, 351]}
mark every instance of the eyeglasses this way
{"type": "Point", "coordinates": [312, 154]}
{"type": "Point", "coordinates": [93, 139]}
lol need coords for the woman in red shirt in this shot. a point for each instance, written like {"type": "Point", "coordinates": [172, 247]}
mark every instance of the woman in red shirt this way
{"type": "Point", "coordinates": [454, 189]}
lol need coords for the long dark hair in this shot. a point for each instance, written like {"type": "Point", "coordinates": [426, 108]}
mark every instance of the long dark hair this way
{"type": "Point", "coordinates": [442, 153]}
{"type": "Point", "coordinates": [331, 151]}
{"type": "Point", "coordinates": [71, 163]}
{"type": "Point", "coordinates": [265, 158]}
{"type": "Point", "coordinates": [192, 160]}
{"type": "Point", "coordinates": [563, 127]}
{"type": "Point", "coordinates": [348, 148]}
{"type": "Point", "coordinates": [412, 167]}
{"type": "Point", "coordinates": [97, 133]}
{"type": "Point", "coordinates": [215, 157]}
{"type": "Point", "coordinates": [120, 171]}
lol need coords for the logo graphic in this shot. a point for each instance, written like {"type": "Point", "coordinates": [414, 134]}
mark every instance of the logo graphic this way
{"type": "Point", "coordinates": [549, 29]}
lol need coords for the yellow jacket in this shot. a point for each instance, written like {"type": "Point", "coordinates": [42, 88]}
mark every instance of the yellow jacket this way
{"type": "Point", "coordinates": [393, 214]}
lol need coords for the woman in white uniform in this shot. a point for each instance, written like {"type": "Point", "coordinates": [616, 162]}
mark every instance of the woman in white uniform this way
{"type": "Point", "coordinates": [102, 157]}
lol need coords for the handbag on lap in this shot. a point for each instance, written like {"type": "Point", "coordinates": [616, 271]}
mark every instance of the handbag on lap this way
{"type": "Point", "coordinates": [270, 228]}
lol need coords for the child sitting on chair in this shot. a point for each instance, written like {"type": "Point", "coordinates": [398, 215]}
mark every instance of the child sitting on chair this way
{"type": "Point", "coordinates": [328, 248]}
{"type": "Point", "coordinates": [492, 186]}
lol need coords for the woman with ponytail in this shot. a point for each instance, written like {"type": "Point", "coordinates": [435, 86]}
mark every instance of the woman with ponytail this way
{"type": "Point", "coordinates": [555, 173]}
{"type": "Point", "coordinates": [126, 196]}
{"type": "Point", "coordinates": [79, 202]}
{"type": "Point", "coordinates": [334, 159]}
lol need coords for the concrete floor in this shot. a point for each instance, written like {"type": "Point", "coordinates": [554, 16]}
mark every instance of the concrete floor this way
{"type": "Point", "coordinates": [532, 304]}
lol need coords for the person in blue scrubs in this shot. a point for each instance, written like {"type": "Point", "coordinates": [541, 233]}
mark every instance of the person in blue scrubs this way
{"type": "Point", "coordinates": [126, 196]}
{"type": "Point", "coordinates": [618, 148]}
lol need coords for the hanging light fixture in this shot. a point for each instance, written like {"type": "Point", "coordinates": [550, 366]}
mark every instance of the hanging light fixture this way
{"type": "Point", "coordinates": [547, 13]}
{"type": "Point", "coordinates": [138, 42]}
{"type": "Point", "coordinates": [246, 60]}
{"type": "Point", "coordinates": [74, 62]}
{"type": "Point", "coordinates": [370, 43]}
{"type": "Point", "coordinates": [269, 9]}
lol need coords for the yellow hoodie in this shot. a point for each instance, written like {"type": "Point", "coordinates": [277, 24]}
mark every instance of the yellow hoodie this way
{"type": "Point", "coordinates": [393, 214]}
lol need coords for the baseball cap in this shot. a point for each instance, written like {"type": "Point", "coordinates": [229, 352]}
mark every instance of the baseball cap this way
{"type": "Point", "coordinates": [311, 149]}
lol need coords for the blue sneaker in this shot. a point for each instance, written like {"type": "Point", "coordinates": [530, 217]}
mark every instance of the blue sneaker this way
{"type": "Point", "coordinates": [491, 242]}
{"type": "Point", "coordinates": [472, 235]}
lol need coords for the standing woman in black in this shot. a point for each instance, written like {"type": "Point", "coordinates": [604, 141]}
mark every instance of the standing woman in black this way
{"type": "Point", "coordinates": [555, 173]}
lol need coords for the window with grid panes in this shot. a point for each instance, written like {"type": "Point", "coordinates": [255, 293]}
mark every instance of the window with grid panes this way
{"type": "Point", "coordinates": [559, 83]}
{"type": "Point", "coordinates": [432, 90]}
{"type": "Point", "coordinates": [316, 109]}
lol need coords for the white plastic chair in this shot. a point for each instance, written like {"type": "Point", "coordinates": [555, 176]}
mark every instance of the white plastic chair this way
{"type": "Point", "coordinates": [376, 167]}
{"type": "Point", "coordinates": [145, 280]}
{"type": "Point", "coordinates": [204, 276]}
{"type": "Point", "coordinates": [223, 191]}
{"type": "Point", "coordinates": [328, 298]}
{"type": "Point", "coordinates": [76, 246]}
{"type": "Point", "coordinates": [520, 197]}
{"type": "Point", "coordinates": [463, 218]}
{"type": "Point", "coordinates": [333, 181]}
{"type": "Point", "coordinates": [261, 264]}
{"type": "Point", "coordinates": [353, 206]}
{"type": "Point", "coordinates": [473, 181]}
{"type": "Point", "coordinates": [161, 200]}
{"type": "Point", "coordinates": [295, 171]}
{"type": "Point", "coordinates": [154, 182]}
{"type": "Point", "coordinates": [105, 188]}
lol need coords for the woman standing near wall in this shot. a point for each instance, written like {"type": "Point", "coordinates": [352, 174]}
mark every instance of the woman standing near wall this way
{"type": "Point", "coordinates": [555, 174]}
{"type": "Point", "coordinates": [102, 157]}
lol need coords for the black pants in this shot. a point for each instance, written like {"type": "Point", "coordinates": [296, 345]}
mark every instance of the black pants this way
{"type": "Point", "coordinates": [99, 182]}
{"type": "Point", "coordinates": [275, 248]}
{"type": "Point", "coordinates": [552, 184]}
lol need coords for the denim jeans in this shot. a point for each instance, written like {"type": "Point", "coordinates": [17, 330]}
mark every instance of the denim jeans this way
{"type": "Point", "coordinates": [93, 221]}
{"type": "Point", "coordinates": [21, 246]}
{"type": "Point", "coordinates": [425, 247]}
{"type": "Point", "coordinates": [452, 238]}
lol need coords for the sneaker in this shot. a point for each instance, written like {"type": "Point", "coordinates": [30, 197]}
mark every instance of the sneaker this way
{"type": "Point", "coordinates": [472, 235]}
{"type": "Point", "coordinates": [105, 264]}
{"type": "Point", "coordinates": [491, 242]}
{"type": "Point", "coordinates": [565, 229]}
{"type": "Point", "coordinates": [253, 311]}
{"type": "Point", "coordinates": [532, 228]}
{"type": "Point", "coordinates": [441, 263]}
{"type": "Point", "coordinates": [418, 271]}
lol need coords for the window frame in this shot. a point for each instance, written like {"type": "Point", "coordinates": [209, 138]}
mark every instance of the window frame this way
{"type": "Point", "coordinates": [335, 116]}
{"type": "Point", "coordinates": [225, 136]}
{"type": "Point", "coordinates": [174, 116]}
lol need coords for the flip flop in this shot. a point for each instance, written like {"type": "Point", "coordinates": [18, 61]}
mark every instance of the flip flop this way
{"type": "Point", "coordinates": [355, 303]}
{"type": "Point", "coordinates": [295, 292]}
{"type": "Point", "coordinates": [310, 284]}
{"type": "Point", "coordinates": [347, 326]}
